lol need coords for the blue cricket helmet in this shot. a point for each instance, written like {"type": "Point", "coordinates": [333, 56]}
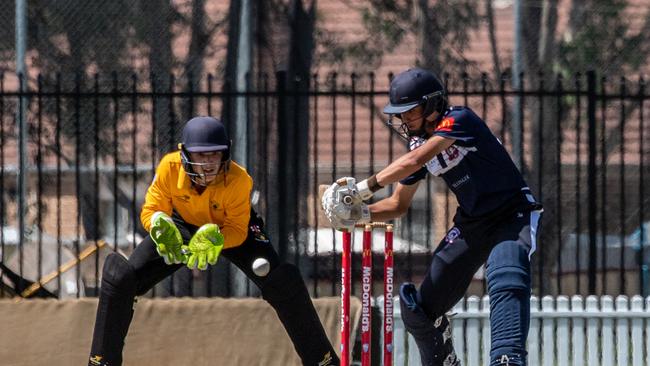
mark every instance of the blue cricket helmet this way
{"type": "Point", "coordinates": [204, 134]}
{"type": "Point", "coordinates": [415, 87]}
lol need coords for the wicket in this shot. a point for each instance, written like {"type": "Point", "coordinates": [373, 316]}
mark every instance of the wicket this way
{"type": "Point", "coordinates": [366, 294]}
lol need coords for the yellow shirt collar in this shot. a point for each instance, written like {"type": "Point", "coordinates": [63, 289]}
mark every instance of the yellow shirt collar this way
{"type": "Point", "coordinates": [184, 181]}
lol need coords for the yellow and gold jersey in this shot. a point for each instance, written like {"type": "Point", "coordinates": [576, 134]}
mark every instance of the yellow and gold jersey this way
{"type": "Point", "coordinates": [225, 201]}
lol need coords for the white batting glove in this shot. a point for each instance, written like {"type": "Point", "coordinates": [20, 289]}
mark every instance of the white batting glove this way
{"type": "Point", "coordinates": [343, 206]}
{"type": "Point", "coordinates": [363, 190]}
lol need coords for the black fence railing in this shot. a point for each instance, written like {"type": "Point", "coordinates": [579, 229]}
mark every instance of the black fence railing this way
{"type": "Point", "coordinates": [92, 143]}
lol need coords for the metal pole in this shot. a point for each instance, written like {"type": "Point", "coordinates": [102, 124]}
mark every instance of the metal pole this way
{"type": "Point", "coordinates": [517, 135]}
{"type": "Point", "coordinates": [241, 138]}
{"type": "Point", "coordinates": [591, 178]}
{"type": "Point", "coordinates": [243, 67]}
{"type": "Point", "coordinates": [21, 120]}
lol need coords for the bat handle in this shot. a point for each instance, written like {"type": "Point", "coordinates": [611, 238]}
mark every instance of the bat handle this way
{"type": "Point", "coordinates": [342, 182]}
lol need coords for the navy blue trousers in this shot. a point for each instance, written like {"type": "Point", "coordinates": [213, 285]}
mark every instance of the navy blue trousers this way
{"type": "Point", "coordinates": [505, 246]}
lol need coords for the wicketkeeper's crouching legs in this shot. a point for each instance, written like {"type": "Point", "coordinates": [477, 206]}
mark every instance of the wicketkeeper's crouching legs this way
{"type": "Point", "coordinates": [122, 281]}
{"type": "Point", "coordinates": [285, 290]}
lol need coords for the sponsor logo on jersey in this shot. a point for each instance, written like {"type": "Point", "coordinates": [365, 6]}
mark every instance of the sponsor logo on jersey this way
{"type": "Point", "coordinates": [446, 125]}
{"type": "Point", "coordinates": [448, 159]}
{"type": "Point", "coordinates": [459, 182]}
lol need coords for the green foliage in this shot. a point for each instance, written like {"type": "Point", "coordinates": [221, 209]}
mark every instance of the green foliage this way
{"type": "Point", "coordinates": [603, 40]}
{"type": "Point", "coordinates": [444, 28]}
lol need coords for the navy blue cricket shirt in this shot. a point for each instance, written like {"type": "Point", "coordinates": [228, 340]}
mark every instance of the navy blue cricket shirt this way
{"type": "Point", "coordinates": [476, 167]}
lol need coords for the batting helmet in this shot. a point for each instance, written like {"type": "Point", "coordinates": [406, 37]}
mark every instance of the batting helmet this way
{"type": "Point", "coordinates": [415, 87]}
{"type": "Point", "coordinates": [203, 134]}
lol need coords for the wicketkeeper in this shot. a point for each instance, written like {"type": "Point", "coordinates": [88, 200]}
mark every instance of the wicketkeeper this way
{"type": "Point", "coordinates": [495, 223]}
{"type": "Point", "coordinates": [196, 208]}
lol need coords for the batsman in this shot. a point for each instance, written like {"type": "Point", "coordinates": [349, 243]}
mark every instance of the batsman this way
{"type": "Point", "coordinates": [196, 209]}
{"type": "Point", "coordinates": [495, 222]}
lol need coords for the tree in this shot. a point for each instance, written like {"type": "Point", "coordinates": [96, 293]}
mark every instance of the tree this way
{"type": "Point", "coordinates": [598, 37]}
{"type": "Point", "coordinates": [441, 30]}
{"type": "Point", "coordinates": [86, 39]}
{"type": "Point", "coordinates": [284, 50]}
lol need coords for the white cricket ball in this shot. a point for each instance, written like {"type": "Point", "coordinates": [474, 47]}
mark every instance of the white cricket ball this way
{"type": "Point", "coordinates": [261, 267]}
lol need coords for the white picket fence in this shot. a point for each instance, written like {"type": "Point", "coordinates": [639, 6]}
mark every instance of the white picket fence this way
{"type": "Point", "coordinates": [596, 331]}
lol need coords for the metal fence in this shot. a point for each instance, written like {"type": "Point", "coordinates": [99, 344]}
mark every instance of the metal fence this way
{"type": "Point", "coordinates": [91, 146]}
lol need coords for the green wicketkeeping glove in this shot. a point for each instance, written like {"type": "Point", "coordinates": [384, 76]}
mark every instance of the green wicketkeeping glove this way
{"type": "Point", "coordinates": [167, 238]}
{"type": "Point", "coordinates": [204, 247]}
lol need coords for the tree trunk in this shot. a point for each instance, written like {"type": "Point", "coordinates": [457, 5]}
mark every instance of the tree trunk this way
{"type": "Point", "coordinates": [429, 38]}
{"type": "Point", "coordinates": [489, 14]}
{"type": "Point", "coordinates": [198, 44]}
{"type": "Point", "coordinates": [293, 131]}
{"type": "Point", "coordinates": [538, 27]}
{"type": "Point", "coordinates": [157, 35]}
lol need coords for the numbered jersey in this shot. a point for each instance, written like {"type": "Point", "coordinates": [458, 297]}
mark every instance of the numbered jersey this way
{"type": "Point", "coordinates": [476, 167]}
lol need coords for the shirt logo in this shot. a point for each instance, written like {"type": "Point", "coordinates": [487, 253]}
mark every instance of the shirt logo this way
{"type": "Point", "coordinates": [446, 125]}
{"type": "Point", "coordinates": [459, 182]}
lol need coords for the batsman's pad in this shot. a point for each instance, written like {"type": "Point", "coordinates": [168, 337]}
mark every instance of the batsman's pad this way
{"type": "Point", "coordinates": [285, 290]}
{"type": "Point", "coordinates": [508, 278]}
{"type": "Point", "coordinates": [433, 338]}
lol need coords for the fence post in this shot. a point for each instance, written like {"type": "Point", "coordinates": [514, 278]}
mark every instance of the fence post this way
{"type": "Point", "coordinates": [458, 331]}
{"type": "Point", "coordinates": [486, 335]}
{"type": "Point", "coordinates": [562, 331]}
{"type": "Point", "coordinates": [548, 332]}
{"type": "Point", "coordinates": [607, 330]}
{"type": "Point", "coordinates": [473, 331]}
{"type": "Point", "coordinates": [647, 332]}
{"type": "Point", "coordinates": [622, 329]}
{"type": "Point", "coordinates": [533, 333]}
{"type": "Point", "coordinates": [637, 332]}
{"type": "Point", "coordinates": [592, 332]}
{"type": "Point", "coordinates": [578, 331]}
{"type": "Point", "coordinates": [591, 177]}
{"type": "Point", "coordinates": [281, 171]}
